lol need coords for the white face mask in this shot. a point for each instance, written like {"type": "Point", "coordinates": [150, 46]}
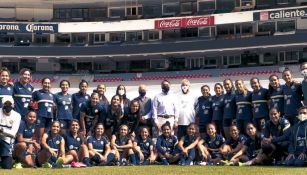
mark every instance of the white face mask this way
{"type": "Point", "coordinates": [185, 89]}
{"type": "Point", "coordinates": [302, 117]}
{"type": "Point", "coordinates": [304, 72]}
{"type": "Point", "coordinates": [121, 92]}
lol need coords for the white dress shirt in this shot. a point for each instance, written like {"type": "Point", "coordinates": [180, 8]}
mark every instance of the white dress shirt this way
{"type": "Point", "coordinates": [165, 104]}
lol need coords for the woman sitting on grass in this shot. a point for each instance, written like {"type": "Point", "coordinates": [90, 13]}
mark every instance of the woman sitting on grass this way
{"type": "Point", "coordinates": [166, 145]}
{"type": "Point", "coordinates": [76, 150]}
{"type": "Point", "coordinates": [53, 148]}
{"type": "Point", "coordinates": [251, 153]}
{"type": "Point", "coordinates": [143, 145]}
{"type": "Point", "coordinates": [209, 147]}
{"type": "Point", "coordinates": [122, 146]}
{"type": "Point", "coordinates": [99, 147]}
{"type": "Point", "coordinates": [188, 144]}
{"type": "Point", "coordinates": [27, 146]}
{"type": "Point", "coordinates": [234, 144]}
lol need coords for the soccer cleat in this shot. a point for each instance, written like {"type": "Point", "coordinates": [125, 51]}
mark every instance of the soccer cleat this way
{"type": "Point", "coordinates": [225, 162]}
{"type": "Point", "coordinates": [203, 163]}
{"type": "Point", "coordinates": [18, 166]}
{"type": "Point", "coordinates": [59, 162]}
{"type": "Point", "coordinates": [46, 165]}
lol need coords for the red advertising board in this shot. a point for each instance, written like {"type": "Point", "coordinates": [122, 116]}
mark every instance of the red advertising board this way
{"type": "Point", "coordinates": [184, 22]}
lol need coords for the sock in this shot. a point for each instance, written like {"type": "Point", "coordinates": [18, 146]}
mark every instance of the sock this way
{"type": "Point", "coordinates": [86, 161]}
{"type": "Point", "coordinates": [96, 159]}
{"type": "Point", "coordinates": [132, 159]}
{"type": "Point", "coordinates": [164, 161]}
{"type": "Point", "coordinates": [110, 157]}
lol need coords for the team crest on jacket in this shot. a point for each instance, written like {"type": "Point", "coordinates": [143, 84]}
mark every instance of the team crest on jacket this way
{"type": "Point", "coordinates": [29, 89]}
{"type": "Point", "coordinates": [101, 142]}
{"type": "Point", "coordinates": [57, 142]}
{"type": "Point", "coordinates": [78, 139]}
{"type": "Point", "coordinates": [217, 142]}
{"type": "Point", "coordinates": [96, 111]}
{"type": "Point", "coordinates": [71, 147]}
{"type": "Point", "coordinates": [147, 144]}
{"type": "Point", "coordinates": [9, 88]}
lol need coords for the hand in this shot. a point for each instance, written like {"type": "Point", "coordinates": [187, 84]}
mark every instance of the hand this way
{"type": "Point", "coordinates": [175, 125]}
{"type": "Point", "coordinates": [302, 156]}
{"type": "Point", "coordinates": [167, 155]}
{"type": "Point", "coordinates": [53, 153]}
{"type": "Point", "coordinates": [36, 145]}
{"type": "Point", "coordinates": [152, 159]}
{"type": "Point", "coordinates": [103, 158]}
{"type": "Point", "coordinates": [142, 119]}
{"type": "Point", "coordinates": [82, 133]}
{"type": "Point", "coordinates": [89, 133]}
{"type": "Point", "coordinates": [185, 152]}
{"type": "Point", "coordinates": [290, 156]}
{"type": "Point", "coordinates": [267, 140]}
{"type": "Point", "coordinates": [141, 156]}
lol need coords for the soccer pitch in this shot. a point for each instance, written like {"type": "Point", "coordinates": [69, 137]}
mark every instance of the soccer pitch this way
{"type": "Point", "coordinates": [161, 170]}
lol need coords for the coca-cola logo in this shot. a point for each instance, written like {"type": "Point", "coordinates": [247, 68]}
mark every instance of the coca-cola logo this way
{"type": "Point", "coordinates": [170, 23]}
{"type": "Point", "coordinates": [197, 22]}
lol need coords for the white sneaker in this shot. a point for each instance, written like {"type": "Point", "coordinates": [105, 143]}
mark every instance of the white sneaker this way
{"type": "Point", "coordinates": [203, 163]}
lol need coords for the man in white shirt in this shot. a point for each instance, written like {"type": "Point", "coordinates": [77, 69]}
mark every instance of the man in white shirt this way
{"type": "Point", "coordinates": [9, 124]}
{"type": "Point", "coordinates": [165, 107]}
{"type": "Point", "coordinates": [186, 108]}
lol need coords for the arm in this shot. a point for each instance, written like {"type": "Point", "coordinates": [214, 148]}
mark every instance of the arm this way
{"type": "Point", "coordinates": [82, 122]}
{"type": "Point", "coordinates": [240, 153]}
{"type": "Point", "coordinates": [107, 151]}
{"type": "Point", "coordinates": [193, 145]}
{"type": "Point", "coordinates": [62, 148]}
{"type": "Point", "coordinates": [154, 109]}
{"type": "Point", "coordinates": [113, 144]}
{"type": "Point", "coordinates": [127, 146]}
{"type": "Point", "coordinates": [159, 147]}
{"type": "Point", "coordinates": [12, 131]}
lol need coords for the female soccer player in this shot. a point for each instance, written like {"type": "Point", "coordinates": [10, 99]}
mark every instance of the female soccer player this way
{"type": "Point", "coordinates": [45, 101]}
{"type": "Point", "coordinates": [99, 147]}
{"type": "Point", "coordinates": [90, 112]}
{"type": "Point", "coordinates": [75, 147]}
{"type": "Point", "coordinates": [251, 153]}
{"type": "Point", "coordinates": [23, 92]}
{"type": "Point", "coordinates": [53, 148]}
{"type": "Point", "coordinates": [188, 144]}
{"type": "Point", "coordinates": [209, 147]}
{"type": "Point", "coordinates": [293, 95]}
{"type": "Point", "coordinates": [229, 111]}
{"type": "Point", "coordinates": [234, 144]}
{"type": "Point", "coordinates": [276, 94]}
{"type": "Point", "coordinates": [132, 118]}
{"type": "Point", "coordinates": [114, 112]}
{"type": "Point", "coordinates": [6, 89]}
{"type": "Point", "coordinates": [204, 109]}
{"type": "Point", "coordinates": [166, 145]}
{"type": "Point", "coordinates": [64, 107]}
{"type": "Point", "coordinates": [27, 144]}
{"type": "Point", "coordinates": [217, 107]}
{"type": "Point", "coordinates": [260, 97]}
{"type": "Point", "coordinates": [122, 146]}
{"type": "Point", "coordinates": [78, 98]}
{"type": "Point", "coordinates": [101, 90]}
{"type": "Point", "coordinates": [244, 113]}
{"type": "Point", "coordinates": [144, 148]}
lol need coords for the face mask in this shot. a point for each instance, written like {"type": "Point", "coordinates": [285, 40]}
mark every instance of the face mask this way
{"type": "Point", "coordinates": [302, 117]}
{"type": "Point", "coordinates": [7, 109]}
{"type": "Point", "coordinates": [304, 72]}
{"type": "Point", "coordinates": [142, 93]}
{"type": "Point", "coordinates": [184, 89]}
{"type": "Point", "coordinates": [121, 92]}
{"type": "Point", "coordinates": [165, 89]}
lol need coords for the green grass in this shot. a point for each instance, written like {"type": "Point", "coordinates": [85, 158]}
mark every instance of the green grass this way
{"type": "Point", "coordinates": [161, 170]}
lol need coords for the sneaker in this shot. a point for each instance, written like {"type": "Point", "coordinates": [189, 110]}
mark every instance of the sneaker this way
{"type": "Point", "coordinates": [18, 166]}
{"type": "Point", "coordinates": [248, 163]}
{"type": "Point", "coordinates": [74, 164]}
{"type": "Point", "coordinates": [46, 165]}
{"type": "Point", "coordinates": [66, 166]}
{"type": "Point", "coordinates": [203, 163]}
{"type": "Point", "coordinates": [225, 162]}
{"type": "Point", "coordinates": [59, 162]}
{"type": "Point", "coordinates": [81, 165]}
